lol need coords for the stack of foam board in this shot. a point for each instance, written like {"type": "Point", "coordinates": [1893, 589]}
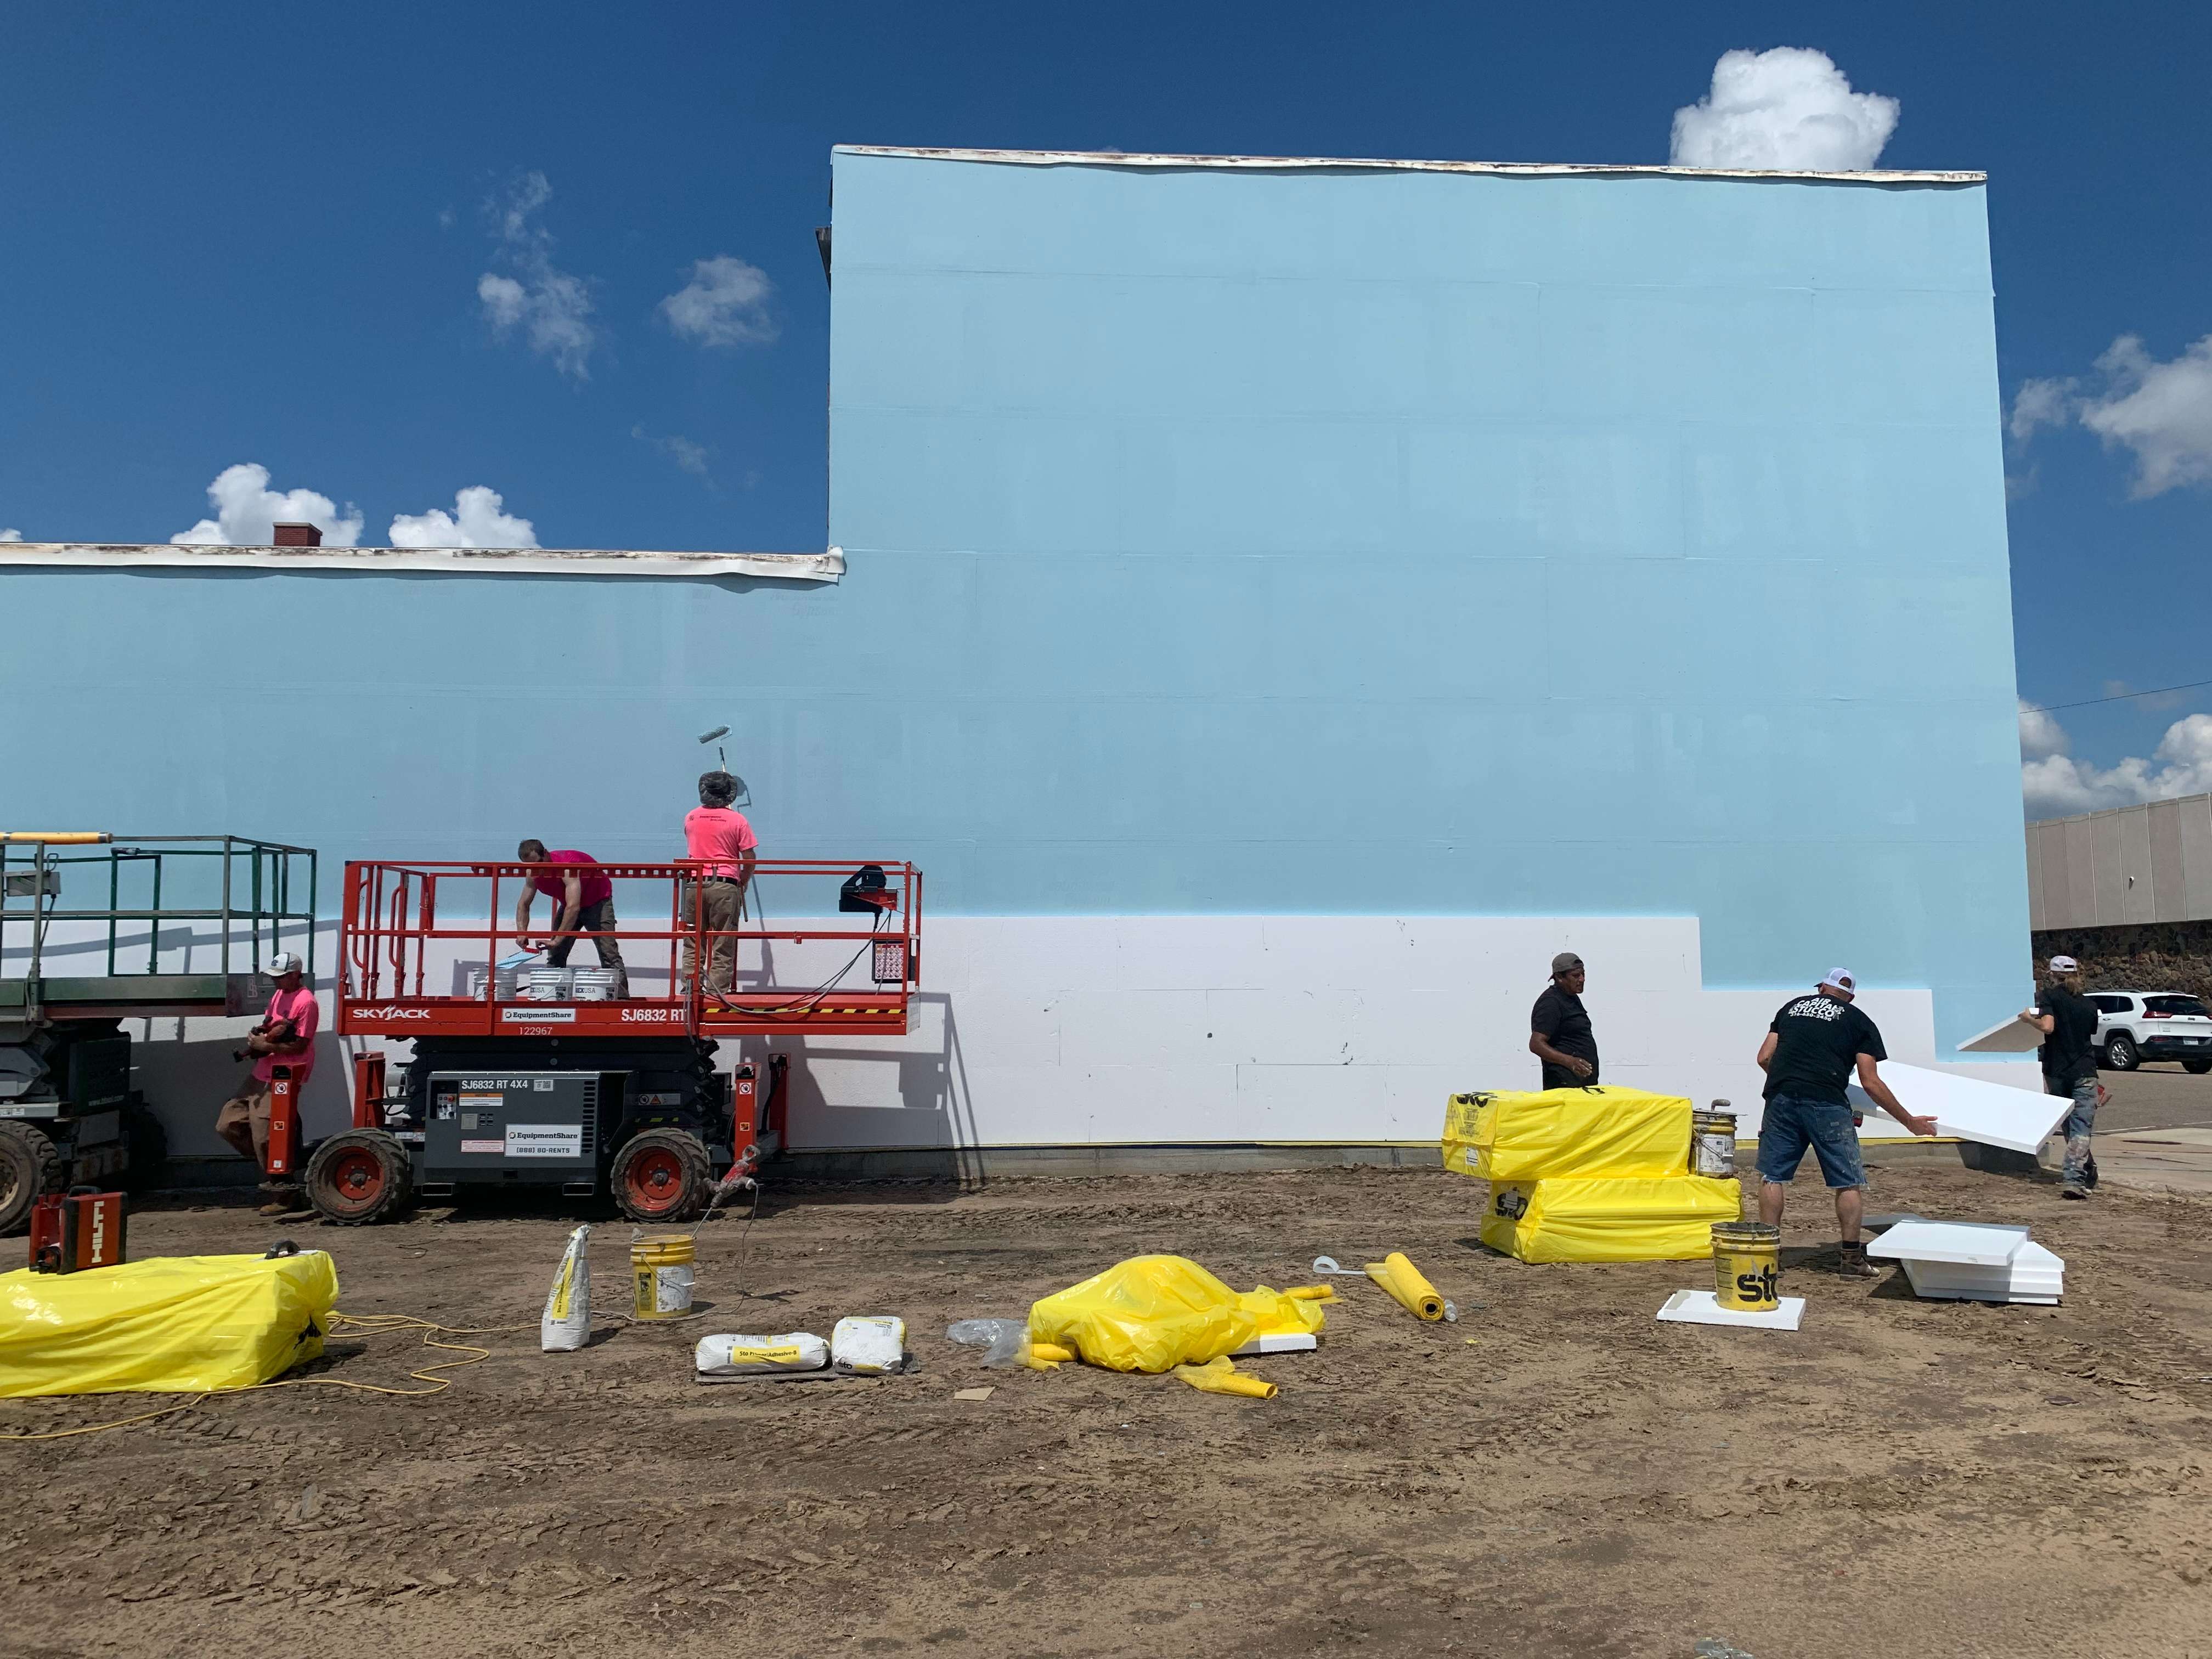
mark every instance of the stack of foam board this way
{"type": "Point", "coordinates": [1972, 1261]}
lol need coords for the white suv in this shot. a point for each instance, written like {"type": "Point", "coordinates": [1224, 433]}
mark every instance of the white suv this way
{"type": "Point", "coordinates": [2134, 1026]}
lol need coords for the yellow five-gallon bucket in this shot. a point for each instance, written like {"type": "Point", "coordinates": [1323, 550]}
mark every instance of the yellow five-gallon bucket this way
{"type": "Point", "coordinates": [660, 1268]}
{"type": "Point", "coordinates": [1747, 1265]}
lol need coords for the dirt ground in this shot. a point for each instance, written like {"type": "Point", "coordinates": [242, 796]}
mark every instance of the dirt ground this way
{"type": "Point", "coordinates": [1556, 1473]}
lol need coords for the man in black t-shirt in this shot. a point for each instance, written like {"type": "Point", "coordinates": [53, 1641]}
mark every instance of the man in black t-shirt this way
{"type": "Point", "coordinates": [1814, 1046]}
{"type": "Point", "coordinates": [1559, 1028]}
{"type": "Point", "coordinates": [2068, 1021]}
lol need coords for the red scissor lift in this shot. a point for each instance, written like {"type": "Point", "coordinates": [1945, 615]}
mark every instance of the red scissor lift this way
{"type": "Point", "coordinates": [618, 1095]}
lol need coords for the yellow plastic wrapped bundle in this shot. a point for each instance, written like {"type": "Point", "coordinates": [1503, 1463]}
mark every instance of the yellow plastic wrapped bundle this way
{"type": "Point", "coordinates": [1609, 1218]}
{"type": "Point", "coordinates": [169, 1325]}
{"type": "Point", "coordinates": [1152, 1313]}
{"type": "Point", "coordinates": [1567, 1132]}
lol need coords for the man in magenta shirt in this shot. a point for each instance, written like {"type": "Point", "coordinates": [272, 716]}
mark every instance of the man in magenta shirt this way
{"type": "Point", "coordinates": [583, 903]}
{"type": "Point", "coordinates": [717, 832]}
{"type": "Point", "coordinates": [285, 1038]}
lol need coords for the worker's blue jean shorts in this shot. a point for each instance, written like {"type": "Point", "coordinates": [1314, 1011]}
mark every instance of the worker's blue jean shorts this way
{"type": "Point", "coordinates": [1792, 1123]}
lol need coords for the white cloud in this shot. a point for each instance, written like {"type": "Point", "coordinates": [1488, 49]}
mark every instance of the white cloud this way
{"type": "Point", "coordinates": [692, 457]}
{"type": "Point", "coordinates": [724, 304]}
{"type": "Point", "coordinates": [11, 535]}
{"type": "Point", "coordinates": [2054, 784]}
{"type": "Point", "coordinates": [1787, 110]}
{"type": "Point", "coordinates": [247, 512]}
{"type": "Point", "coordinates": [2038, 403]}
{"type": "Point", "coordinates": [2162, 411]}
{"type": "Point", "coordinates": [477, 521]}
{"type": "Point", "coordinates": [2041, 733]}
{"type": "Point", "coordinates": [551, 307]}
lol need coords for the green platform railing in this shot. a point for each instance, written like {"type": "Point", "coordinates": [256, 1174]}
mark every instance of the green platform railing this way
{"type": "Point", "coordinates": [245, 899]}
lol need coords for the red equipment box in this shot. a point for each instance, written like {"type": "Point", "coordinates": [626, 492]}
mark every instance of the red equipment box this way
{"type": "Point", "coordinates": [76, 1230]}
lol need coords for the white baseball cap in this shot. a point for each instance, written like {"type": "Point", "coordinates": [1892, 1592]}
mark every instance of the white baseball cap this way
{"type": "Point", "coordinates": [284, 963]}
{"type": "Point", "coordinates": [2064, 965]}
{"type": "Point", "coordinates": [1840, 978]}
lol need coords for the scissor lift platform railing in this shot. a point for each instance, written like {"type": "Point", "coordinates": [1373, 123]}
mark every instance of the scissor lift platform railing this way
{"type": "Point", "coordinates": [232, 897]}
{"type": "Point", "coordinates": [392, 940]}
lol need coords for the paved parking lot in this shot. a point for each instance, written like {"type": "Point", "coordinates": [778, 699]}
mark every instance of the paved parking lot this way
{"type": "Point", "coordinates": [2159, 1095]}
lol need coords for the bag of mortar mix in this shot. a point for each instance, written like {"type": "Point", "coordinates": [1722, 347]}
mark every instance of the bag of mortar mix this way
{"type": "Point", "coordinates": [743, 1356]}
{"type": "Point", "coordinates": [567, 1325]}
{"type": "Point", "coordinates": [868, 1347]}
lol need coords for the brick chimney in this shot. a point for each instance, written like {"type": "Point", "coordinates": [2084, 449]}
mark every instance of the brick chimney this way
{"type": "Point", "coordinates": [298, 535]}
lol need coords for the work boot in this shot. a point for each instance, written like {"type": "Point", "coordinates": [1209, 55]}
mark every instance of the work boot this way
{"type": "Point", "coordinates": [1852, 1262]}
{"type": "Point", "coordinates": [2089, 1175]}
{"type": "Point", "coordinates": [2073, 1192]}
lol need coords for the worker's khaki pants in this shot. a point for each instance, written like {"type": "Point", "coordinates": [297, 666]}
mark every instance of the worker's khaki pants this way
{"type": "Point", "coordinates": [244, 1120]}
{"type": "Point", "coordinates": [721, 906]}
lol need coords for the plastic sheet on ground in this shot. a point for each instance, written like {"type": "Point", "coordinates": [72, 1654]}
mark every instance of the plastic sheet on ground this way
{"type": "Point", "coordinates": [1609, 1218]}
{"type": "Point", "coordinates": [1152, 1313]}
{"type": "Point", "coordinates": [168, 1325]}
{"type": "Point", "coordinates": [1566, 1132]}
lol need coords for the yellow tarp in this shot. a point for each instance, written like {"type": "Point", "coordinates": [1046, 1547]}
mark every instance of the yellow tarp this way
{"type": "Point", "coordinates": [1152, 1313]}
{"type": "Point", "coordinates": [168, 1325]}
{"type": "Point", "coordinates": [1609, 1218]}
{"type": "Point", "coordinates": [1567, 1132]}
{"type": "Point", "coordinates": [1407, 1285]}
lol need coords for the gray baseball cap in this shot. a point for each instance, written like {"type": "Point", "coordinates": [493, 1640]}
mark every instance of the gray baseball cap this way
{"type": "Point", "coordinates": [1565, 963]}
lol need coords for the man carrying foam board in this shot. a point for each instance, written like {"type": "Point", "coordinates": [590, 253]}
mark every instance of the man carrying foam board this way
{"type": "Point", "coordinates": [1812, 1048]}
{"type": "Point", "coordinates": [1560, 1027]}
{"type": "Point", "coordinates": [2068, 1021]}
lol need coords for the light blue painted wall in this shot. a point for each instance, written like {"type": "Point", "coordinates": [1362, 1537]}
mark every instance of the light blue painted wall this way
{"type": "Point", "coordinates": [1279, 542]}
{"type": "Point", "coordinates": [1426, 541]}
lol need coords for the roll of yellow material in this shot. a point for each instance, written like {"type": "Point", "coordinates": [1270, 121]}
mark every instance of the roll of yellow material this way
{"type": "Point", "coordinates": [1221, 1377]}
{"type": "Point", "coordinates": [1403, 1280]}
{"type": "Point", "coordinates": [1311, 1293]}
{"type": "Point", "coordinates": [1048, 1350]}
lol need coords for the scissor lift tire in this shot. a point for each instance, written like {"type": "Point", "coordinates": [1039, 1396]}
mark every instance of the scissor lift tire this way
{"type": "Point", "coordinates": [30, 1166]}
{"type": "Point", "coordinates": [662, 1175]}
{"type": "Point", "coordinates": [360, 1176]}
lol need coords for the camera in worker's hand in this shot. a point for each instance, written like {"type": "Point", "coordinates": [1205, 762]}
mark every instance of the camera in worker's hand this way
{"type": "Point", "coordinates": [266, 1038]}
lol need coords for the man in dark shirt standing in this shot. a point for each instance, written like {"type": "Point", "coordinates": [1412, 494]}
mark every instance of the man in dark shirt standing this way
{"type": "Point", "coordinates": [2068, 1021]}
{"type": "Point", "coordinates": [1559, 1028]}
{"type": "Point", "coordinates": [1813, 1046]}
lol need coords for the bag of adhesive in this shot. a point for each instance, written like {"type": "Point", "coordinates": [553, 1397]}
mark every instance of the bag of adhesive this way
{"type": "Point", "coordinates": [1566, 1132]}
{"type": "Point", "coordinates": [184, 1324]}
{"type": "Point", "coordinates": [1609, 1218]}
{"type": "Point", "coordinates": [746, 1356]}
{"type": "Point", "coordinates": [567, 1325]}
{"type": "Point", "coordinates": [1152, 1313]}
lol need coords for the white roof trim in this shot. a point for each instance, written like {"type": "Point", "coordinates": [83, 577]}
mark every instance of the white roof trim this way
{"type": "Point", "coordinates": [1056, 158]}
{"type": "Point", "coordinates": [826, 567]}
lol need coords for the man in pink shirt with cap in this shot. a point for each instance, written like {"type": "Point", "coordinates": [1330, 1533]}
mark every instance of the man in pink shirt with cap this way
{"type": "Point", "coordinates": [286, 1037]}
{"type": "Point", "coordinates": [717, 832]}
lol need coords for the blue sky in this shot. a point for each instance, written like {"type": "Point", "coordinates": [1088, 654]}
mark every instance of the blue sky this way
{"type": "Point", "coordinates": [259, 234]}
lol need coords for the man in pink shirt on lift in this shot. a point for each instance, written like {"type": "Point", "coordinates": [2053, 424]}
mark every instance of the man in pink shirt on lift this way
{"type": "Point", "coordinates": [583, 903]}
{"type": "Point", "coordinates": [715, 831]}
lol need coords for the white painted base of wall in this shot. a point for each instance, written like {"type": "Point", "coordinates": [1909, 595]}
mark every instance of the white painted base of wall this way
{"type": "Point", "coordinates": [1104, 1030]}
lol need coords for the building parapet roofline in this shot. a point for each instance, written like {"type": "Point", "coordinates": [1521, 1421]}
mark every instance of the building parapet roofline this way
{"type": "Point", "coordinates": [1049, 158]}
{"type": "Point", "coordinates": [824, 566]}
